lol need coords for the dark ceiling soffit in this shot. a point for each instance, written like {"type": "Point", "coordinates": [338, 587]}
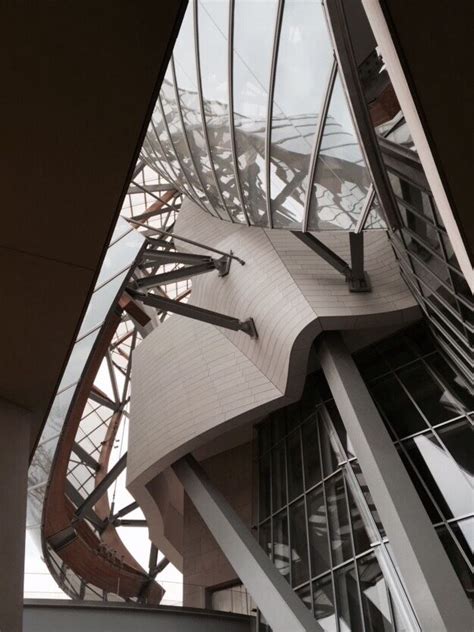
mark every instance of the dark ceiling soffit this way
{"type": "Point", "coordinates": [426, 128]}
{"type": "Point", "coordinates": [130, 174]}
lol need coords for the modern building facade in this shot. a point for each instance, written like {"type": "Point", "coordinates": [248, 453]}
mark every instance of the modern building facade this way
{"type": "Point", "coordinates": [277, 356]}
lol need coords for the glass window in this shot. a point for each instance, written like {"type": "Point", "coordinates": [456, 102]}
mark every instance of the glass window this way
{"type": "Point", "coordinates": [396, 406]}
{"type": "Point", "coordinates": [299, 543]}
{"type": "Point", "coordinates": [305, 57]}
{"type": "Point", "coordinates": [312, 463]}
{"type": "Point", "coordinates": [278, 477]}
{"type": "Point", "coordinates": [437, 405]}
{"type": "Point", "coordinates": [347, 599]}
{"type": "Point", "coordinates": [265, 537]}
{"type": "Point", "coordinates": [323, 599]}
{"type": "Point", "coordinates": [443, 476]}
{"type": "Point", "coordinates": [375, 598]}
{"type": "Point", "coordinates": [340, 429]}
{"type": "Point", "coordinates": [464, 532]}
{"type": "Point", "coordinates": [330, 461]}
{"type": "Point", "coordinates": [420, 488]}
{"type": "Point", "coordinates": [368, 497]}
{"type": "Point", "coordinates": [341, 180]}
{"type": "Point", "coordinates": [264, 487]}
{"type": "Point", "coordinates": [281, 550]}
{"type": "Point", "coordinates": [338, 519]}
{"type": "Point", "coordinates": [359, 533]}
{"type": "Point", "coordinates": [304, 594]}
{"type": "Point", "coordinates": [295, 470]}
{"type": "Point", "coordinates": [455, 383]}
{"type": "Point", "coordinates": [370, 363]}
{"type": "Point", "coordinates": [254, 27]}
{"type": "Point", "coordinates": [457, 560]}
{"type": "Point", "coordinates": [318, 532]}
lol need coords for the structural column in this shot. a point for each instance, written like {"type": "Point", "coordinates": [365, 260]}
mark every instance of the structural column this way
{"type": "Point", "coordinates": [434, 589]}
{"type": "Point", "coordinates": [14, 458]}
{"type": "Point", "coordinates": [281, 607]}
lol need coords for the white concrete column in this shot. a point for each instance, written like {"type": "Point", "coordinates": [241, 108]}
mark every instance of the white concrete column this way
{"type": "Point", "coordinates": [281, 607]}
{"type": "Point", "coordinates": [14, 458]}
{"type": "Point", "coordinates": [433, 586]}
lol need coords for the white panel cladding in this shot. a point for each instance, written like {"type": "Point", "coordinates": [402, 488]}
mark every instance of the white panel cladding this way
{"type": "Point", "coordinates": [191, 379]}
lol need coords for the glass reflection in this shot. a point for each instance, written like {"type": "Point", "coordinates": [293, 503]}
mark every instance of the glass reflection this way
{"type": "Point", "coordinates": [323, 599]}
{"type": "Point", "coordinates": [338, 519]}
{"type": "Point", "coordinates": [374, 593]}
{"type": "Point", "coordinates": [341, 182]}
{"type": "Point", "coordinates": [281, 548]}
{"type": "Point", "coordinates": [347, 598]}
{"type": "Point", "coordinates": [299, 550]}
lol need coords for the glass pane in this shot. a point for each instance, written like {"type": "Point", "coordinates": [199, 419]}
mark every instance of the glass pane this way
{"type": "Point", "coordinates": [304, 594]}
{"type": "Point", "coordinates": [318, 532]}
{"type": "Point", "coordinates": [213, 26]}
{"type": "Point", "coordinates": [397, 407]}
{"type": "Point", "coordinates": [278, 477]}
{"type": "Point", "coordinates": [464, 532]}
{"type": "Point", "coordinates": [458, 561]}
{"type": "Point", "coordinates": [77, 360]}
{"type": "Point", "coordinates": [330, 462]}
{"type": "Point", "coordinates": [456, 384]}
{"type": "Point", "coordinates": [100, 303]}
{"type": "Point", "coordinates": [458, 437]}
{"type": "Point", "coordinates": [254, 25]}
{"type": "Point", "coordinates": [323, 599]}
{"type": "Point", "coordinates": [368, 497]}
{"type": "Point", "coordinates": [359, 533]}
{"type": "Point", "coordinates": [299, 543]}
{"type": "Point", "coordinates": [281, 550]}
{"type": "Point", "coordinates": [304, 60]}
{"type": "Point", "coordinates": [340, 429]}
{"type": "Point", "coordinates": [264, 487]}
{"type": "Point", "coordinates": [341, 181]}
{"type": "Point", "coordinates": [295, 470]}
{"type": "Point", "coordinates": [185, 65]}
{"type": "Point", "coordinates": [265, 537]}
{"type": "Point", "coordinates": [312, 463]}
{"type": "Point", "coordinates": [375, 600]}
{"type": "Point", "coordinates": [428, 503]}
{"type": "Point", "coordinates": [445, 479]}
{"type": "Point", "coordinates": [347, 599]}
{"type": "Point", "coordinates": [338, 520]}
{"type": "Point", "coordinates": [436, 404]}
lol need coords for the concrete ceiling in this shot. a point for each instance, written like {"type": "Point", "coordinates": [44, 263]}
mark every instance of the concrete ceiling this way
{"type": "Point", "coordinates": [434, 42]}
{"type": "Point", "coordinates": [79, 80]}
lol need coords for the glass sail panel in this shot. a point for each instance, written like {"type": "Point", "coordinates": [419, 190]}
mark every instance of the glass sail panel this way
{"type": "Point", "coordinates": [341, 181]}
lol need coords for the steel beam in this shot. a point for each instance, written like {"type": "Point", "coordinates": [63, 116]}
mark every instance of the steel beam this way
{"type": "Point", "coordinates": [198, 313]}
{"type": "Point", "coordinates": [85, 457]}
{"type": "Point", "coordinates": [77, 500]}
{"type": "Point", "coordinates": [101, 488]}
{"type": "Point", "coordinates": [358, 279]}
{"type": "Point", "coordinates": [280, 605]}
{"type": "Point", "coordinates": [435, 591]}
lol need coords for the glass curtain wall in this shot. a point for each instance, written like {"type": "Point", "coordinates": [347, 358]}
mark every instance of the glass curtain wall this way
{"type": "Point", "coordinates": [421, 244]}
{"type": "Point", "coordinates": [428, 408]}
{"type": "Point", "coordinates": [318, 523]}
{"type": "Point", "coordinates": [253, 122]}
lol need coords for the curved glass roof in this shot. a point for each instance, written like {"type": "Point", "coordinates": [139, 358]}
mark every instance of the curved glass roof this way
{"type": "Point", "coordinates": [253, 122]}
